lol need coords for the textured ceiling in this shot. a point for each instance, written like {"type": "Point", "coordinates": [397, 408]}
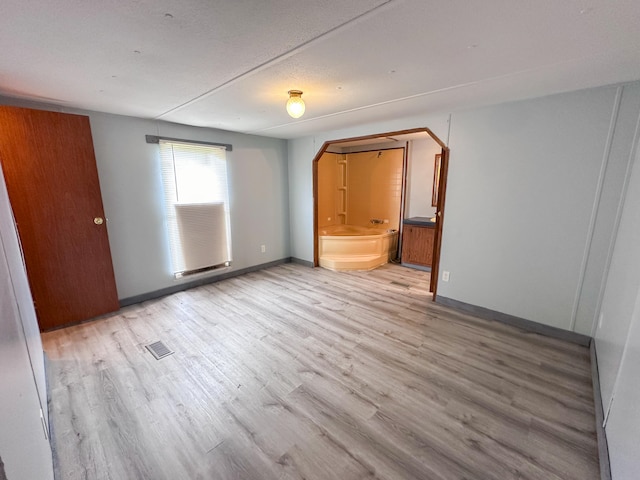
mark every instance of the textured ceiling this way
{"type": "Point", "coordinates": [228, 64]}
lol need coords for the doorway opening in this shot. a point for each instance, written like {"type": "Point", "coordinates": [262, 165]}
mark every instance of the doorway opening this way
{"type": "Point", "coordinates": [415, 189]}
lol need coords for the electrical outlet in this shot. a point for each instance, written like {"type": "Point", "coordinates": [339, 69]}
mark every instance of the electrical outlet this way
{"type": "Point", "coordinates": [600, 320]}
{"type": "Point", "coordinates": [263, 248]}
{"type": "Point", "coordinates": [445, 276]}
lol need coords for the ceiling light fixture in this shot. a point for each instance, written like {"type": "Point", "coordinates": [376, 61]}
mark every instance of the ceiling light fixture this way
{"type": "Point", "coordinates": [295, 104]}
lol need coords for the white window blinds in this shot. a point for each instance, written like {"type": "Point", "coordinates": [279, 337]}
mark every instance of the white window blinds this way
{"type": "Point", "coordinates": [196, 205]}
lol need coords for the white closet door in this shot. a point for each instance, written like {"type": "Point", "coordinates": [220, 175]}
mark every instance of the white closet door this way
{"type": "Point", "coordinates": [24, 444]}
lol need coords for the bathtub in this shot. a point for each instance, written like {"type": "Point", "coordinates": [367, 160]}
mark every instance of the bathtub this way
{"type": "Point", "coordinates": [348, 247]}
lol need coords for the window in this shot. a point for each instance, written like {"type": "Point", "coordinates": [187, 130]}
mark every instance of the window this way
{"type": "Point", "coordinates": [196, 205]}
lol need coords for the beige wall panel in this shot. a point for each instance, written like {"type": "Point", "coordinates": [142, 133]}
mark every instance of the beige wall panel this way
{"type": "Point", "coordinates": [374, 187]}
{"type": "Point", "coordinates": [328, 193]}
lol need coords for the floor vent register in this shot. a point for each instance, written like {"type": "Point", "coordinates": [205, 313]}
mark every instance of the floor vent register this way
{"type": "Point", "coordinates": [159, 350]}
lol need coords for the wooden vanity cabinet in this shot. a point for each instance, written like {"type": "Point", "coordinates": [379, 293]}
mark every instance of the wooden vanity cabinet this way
{"type": "Point", "coordinates": [417, 245]}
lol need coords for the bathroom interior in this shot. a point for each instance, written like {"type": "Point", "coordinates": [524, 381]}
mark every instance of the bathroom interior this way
{"type": "Point", "coordinates": [375, 202]}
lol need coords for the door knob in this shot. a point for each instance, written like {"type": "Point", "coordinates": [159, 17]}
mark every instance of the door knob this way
{"type": "Point", "coordinates": [98, 220]}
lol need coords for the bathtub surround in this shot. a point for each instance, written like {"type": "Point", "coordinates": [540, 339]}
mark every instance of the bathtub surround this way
{"type": "Point", "coordinates": [374, 188]}
{"type": "Point", "coordinates": [360, 188]}
{"type": "Point", "coordinates": [359, 198]}
{"type": "Point", "coordinates": [332, 190]}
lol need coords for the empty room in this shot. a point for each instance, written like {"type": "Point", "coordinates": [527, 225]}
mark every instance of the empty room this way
{"type": "Point", "coordinates": [319, 240]}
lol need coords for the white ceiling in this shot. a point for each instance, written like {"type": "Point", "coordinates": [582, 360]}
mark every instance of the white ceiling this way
{"type": "Point", "coordinates": [229, 63]}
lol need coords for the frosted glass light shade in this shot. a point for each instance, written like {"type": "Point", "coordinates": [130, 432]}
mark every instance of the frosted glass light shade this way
{"type": "Point", "coordinates": [295, 104]}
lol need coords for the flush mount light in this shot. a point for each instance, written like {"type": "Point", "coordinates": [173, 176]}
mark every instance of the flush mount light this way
{"type": "Point", "coordinates": [295, 104]}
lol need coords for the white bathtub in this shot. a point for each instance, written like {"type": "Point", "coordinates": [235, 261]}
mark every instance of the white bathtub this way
{"type": "Point", "coordinates": [348, 247]}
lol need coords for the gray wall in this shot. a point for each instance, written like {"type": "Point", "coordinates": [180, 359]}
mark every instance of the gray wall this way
{"type": "Point", "coordinates": [548, 174]}
{"type": "Point", "coordinates": [131, 186]}
{"type": "Point", "coordinates": [129, 174]}
{"type": "Point", "coordinates": [419, 189]}
{"type": "Point", "coordinates": [618, 339]}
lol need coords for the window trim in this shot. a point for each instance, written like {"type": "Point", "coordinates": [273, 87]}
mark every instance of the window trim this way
{"type": "Point", "coordinates": [171, 216]}
{"type": "Point", "coordinates": [156, 139]}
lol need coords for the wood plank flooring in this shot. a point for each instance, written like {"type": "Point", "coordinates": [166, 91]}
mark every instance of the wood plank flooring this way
{"type": "Point", "coordinates": [300, 373]}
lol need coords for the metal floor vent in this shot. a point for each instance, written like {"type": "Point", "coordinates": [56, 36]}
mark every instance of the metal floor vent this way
{"type": "Point", "coordinates": [406, 285]}
{"type": "Point", "coordinates": [159, 350]}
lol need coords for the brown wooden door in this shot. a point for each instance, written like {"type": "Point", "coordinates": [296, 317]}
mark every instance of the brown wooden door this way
{"type": "Point", "coordinates": [437, 243]}
{"type": "Point", "coordinates": [52, 180]}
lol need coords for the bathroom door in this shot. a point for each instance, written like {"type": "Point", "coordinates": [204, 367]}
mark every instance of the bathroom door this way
{"type": "Point", "coordinates": [52, 180]}
{"type": "Point", "coordinates": [437, 242]}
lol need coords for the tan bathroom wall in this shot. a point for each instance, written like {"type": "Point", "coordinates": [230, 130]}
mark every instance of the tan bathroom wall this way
{"type": "Point", "coordinates": [328, 183]}
{"type": "Point", "coordinates": [374, 187]}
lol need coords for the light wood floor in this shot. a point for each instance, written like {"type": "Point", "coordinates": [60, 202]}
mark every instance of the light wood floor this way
{"type": "Point", "coordinates": [300, 373]}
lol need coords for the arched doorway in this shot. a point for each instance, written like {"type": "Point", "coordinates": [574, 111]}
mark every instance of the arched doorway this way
{"type": "Point", "coordinates": [396, 136]}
